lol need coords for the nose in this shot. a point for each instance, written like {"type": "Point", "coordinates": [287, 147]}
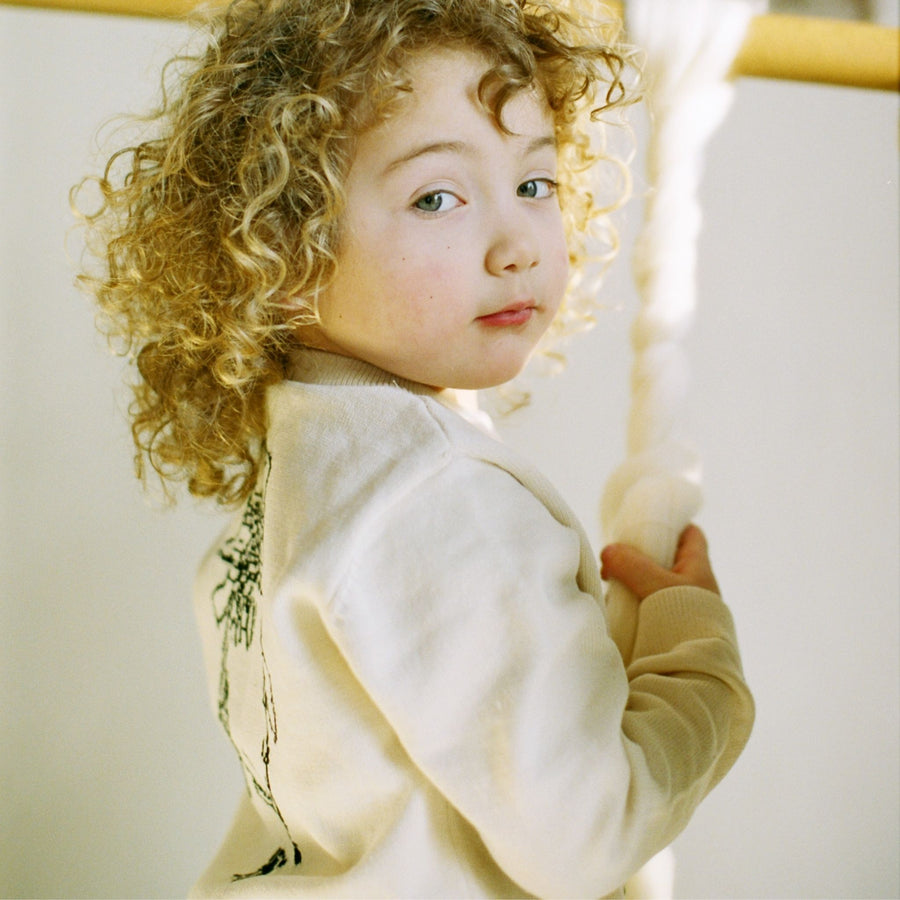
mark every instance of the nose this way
{"type": "Point", "coordinates": [514, 246]}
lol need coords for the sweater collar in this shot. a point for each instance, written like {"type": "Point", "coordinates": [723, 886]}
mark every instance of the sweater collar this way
{"type": "Point", "coordinates": [312, 366]}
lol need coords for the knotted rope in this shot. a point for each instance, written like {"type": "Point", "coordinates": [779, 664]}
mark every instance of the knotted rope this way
{"type": "Point", "coordinates": [690, 46]}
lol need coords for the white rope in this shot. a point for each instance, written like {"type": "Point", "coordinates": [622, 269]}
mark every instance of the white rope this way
{"type": "Point", "coordinates": [690, 46]}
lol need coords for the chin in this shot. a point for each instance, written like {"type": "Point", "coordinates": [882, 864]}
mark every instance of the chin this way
{"type": "Point", "coordinates": [484, 379]}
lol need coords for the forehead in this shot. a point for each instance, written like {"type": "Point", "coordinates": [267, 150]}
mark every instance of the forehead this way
{"type": "Point", "coordinates": [443, 97]}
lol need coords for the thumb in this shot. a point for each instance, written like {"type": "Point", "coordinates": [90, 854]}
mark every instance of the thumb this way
{"type": "Point", "coordinates": [634, 569]}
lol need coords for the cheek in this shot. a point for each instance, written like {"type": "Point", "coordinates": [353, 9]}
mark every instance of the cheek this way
{"type": "Point", "coordinates": [425, 281]}
{"type": "Point", "coordinates": [560, 267]}
{"type": "Point", "coordinates": [562, 256]}
{"type": "Point", "coordinates": [556, 247]}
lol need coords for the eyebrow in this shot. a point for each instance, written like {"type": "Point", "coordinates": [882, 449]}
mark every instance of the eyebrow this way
{"type": "Point", "coordinates": [461, 148]}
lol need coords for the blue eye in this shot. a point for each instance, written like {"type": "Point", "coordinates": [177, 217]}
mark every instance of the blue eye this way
{"type": "Point", "coordinates": [537, 188]}
{"type": "Point", "coordinates": [437, 201]}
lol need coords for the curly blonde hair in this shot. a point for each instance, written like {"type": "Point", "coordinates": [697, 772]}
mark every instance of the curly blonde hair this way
{"type": "Point", "coordinates": [209, 231]}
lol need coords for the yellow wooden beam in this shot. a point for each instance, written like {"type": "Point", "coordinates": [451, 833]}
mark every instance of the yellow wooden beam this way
{"type": "Point", "coordinates": [827, 51]}
{"type": "Point", "coordinates": [154, 9]}
{"type": "Point", "coordinates": [797, 48]}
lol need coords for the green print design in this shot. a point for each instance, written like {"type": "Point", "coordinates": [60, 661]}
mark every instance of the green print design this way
{"type": "Point", "coordinates": [236, 606]}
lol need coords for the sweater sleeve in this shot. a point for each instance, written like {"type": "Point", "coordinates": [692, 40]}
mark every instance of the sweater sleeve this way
{"type": "Point", "coordinates": [462, 616]}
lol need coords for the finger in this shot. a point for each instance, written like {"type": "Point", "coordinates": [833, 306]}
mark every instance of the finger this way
{"type": "Point", "coordinates": [692, 559]}
{"type": "Point", "coordinates": [692, 535]}
{"type": "Point", "coordinates": [640, 574]}
{"type": "Point", "coordinates": [692, 545]}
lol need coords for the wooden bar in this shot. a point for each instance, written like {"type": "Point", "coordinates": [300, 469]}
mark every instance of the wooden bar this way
{"type": "Point", "coordinates": [152, 9]}
{"type": "Point", "coordinates": [796, 48]}
{"type": "Point", "coordinates": [826, 51]}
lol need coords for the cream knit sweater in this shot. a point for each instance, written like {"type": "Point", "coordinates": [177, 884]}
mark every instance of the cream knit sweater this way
{"type": "Point", "coordinates": [406, 644]}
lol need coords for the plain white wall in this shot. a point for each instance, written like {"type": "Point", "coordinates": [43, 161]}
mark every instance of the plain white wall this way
{"type": "Point", "coordinates": [114, 779]}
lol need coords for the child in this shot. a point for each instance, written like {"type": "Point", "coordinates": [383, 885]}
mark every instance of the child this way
{"type": "Point", "coordinates": [352, 215]}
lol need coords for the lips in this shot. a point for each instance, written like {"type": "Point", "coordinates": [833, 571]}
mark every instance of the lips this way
{"type": "Point", "coordinates": [515, 314]}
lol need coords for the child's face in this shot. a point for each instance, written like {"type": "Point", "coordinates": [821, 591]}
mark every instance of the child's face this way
{"type": "Point", "coordinates": [453, 259]}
